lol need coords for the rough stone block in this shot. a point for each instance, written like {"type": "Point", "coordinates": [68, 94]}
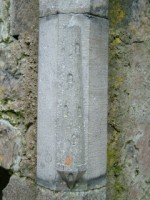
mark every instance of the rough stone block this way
{"type": "Point", "coordinates": [19, 189]}
{"type": "Point", "coordinates": [4, 21]}
{"type": "Point", "coordinates": [10, 143]}
{"type": "Point", "coordinates": [23, 16]}
{"type": "Point", "coordinates": [72, 101]}
{"type": "Point", "coordinates": [10, 76]}
{"type": "Point", "coordinates": [44, 194]}
{"type": "Point", "coordinates": [95, 7]}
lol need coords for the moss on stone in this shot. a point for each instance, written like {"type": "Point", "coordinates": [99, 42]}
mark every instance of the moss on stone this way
{"type": "Point", "coordinates": [15, 118]}
{"type": "Point", "coordinates": [117, 185]}
{"type": "Point", "coordinates": [116, 14]}
{"type": "Point", "coordinates": [115, 168]}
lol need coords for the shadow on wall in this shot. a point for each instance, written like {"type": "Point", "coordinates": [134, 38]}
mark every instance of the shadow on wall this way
{"type": "Point", "coordinates": [4, 179]}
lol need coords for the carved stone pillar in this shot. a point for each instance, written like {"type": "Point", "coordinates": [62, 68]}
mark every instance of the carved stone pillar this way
{"type": "Point", "coordinates": [72, 94]}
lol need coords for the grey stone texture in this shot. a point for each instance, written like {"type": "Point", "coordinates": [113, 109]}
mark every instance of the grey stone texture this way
{"type": "Point", "coordinates": [18, 92]}
{"type": "Point", "coordinates": [10, 146]}
{"type": "Point", "coordinates": [95, 7]}
{"type": "Point", "coordinates": [44, 194]}
{"type": "Point", "coordinates": [128, 147]}
{"type": "Point", "coordinates": [72, 100]}
{"type": "Point", "coordinates": [19, 189]}
{"type": "Point", "coordinates": [18, 79]}
{"type": "Point", "coordinates": [4, 20]}
{"type": "Point", "coordinates": [129, 102]}
{"type": "Point", "coordinates": [24, 189]}
{"type": "Point", "coordinates": [23, 16]}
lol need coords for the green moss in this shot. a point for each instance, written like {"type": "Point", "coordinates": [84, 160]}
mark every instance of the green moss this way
{"type": "Point", "coordinates": [148, 181]}
{"type": "Point", "coordinates": [116, 14]}
{"type": "Point", "coordinates": [6, 40]}
{"type": "Point", "coordinates": [5, 101]}
{"type": "Point", "coordinates": [117, 18]}
{"type": "Point", "coordinates": [115, 168]}
{"type": "Point", "coordinates": [15, 118]}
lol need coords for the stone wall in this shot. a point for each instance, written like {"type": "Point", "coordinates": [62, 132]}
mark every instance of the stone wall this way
{"type": "Point", "coordinates": [18, 96]}
{"type": "Point", "coordinates": [129, 102]}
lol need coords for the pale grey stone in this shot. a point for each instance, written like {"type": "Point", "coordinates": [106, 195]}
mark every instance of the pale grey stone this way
{"type": "Point", "coordinates": [10, 75]}
{"type": "Point", "coordinates": [72, 101]}
{"type": "Point", "coordinates": [10, 146]}
{"type": "Point", "coordinates": [95, 7]}
{"type": "Point", "coordinates": [46, 149]}
{"type": "Point", "coordinates": [23, 16]}
{"type": "Point", "coordinates": [44, 194]}
{"type": "Point", "coordinates": [4, 21]}
{"type": "Point", "coordinates": [19, 189]}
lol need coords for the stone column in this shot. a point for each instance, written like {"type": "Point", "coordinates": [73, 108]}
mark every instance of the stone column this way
{"type": "Point", "coordinates": [72, 95]}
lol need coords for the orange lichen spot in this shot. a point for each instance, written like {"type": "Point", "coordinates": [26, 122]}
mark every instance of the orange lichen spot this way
{"type": "Point", "coordinates": [68, 160]}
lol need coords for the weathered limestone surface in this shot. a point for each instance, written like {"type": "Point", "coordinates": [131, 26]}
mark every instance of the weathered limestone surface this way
{"type": "Point", "coordinates": [19, 189]}
{"type": "Point", "coordinates": [129, 102]}
{"type": "Point", "coordinates": [23, 16]}
{"type": "Point", "coordinates": [72, 100]}
{"type": "Point", "coordinates": [10, 146]}
{"type": "Point", "coordinates": [18, 91]}
{"type": "Point", "coordinates": [4, 20]}
{"type": "Point", "coordinates": [23, 189]}
{"type": "Point", "coordinates": [128, 150]}
{"type": "Point", "coordinates": [95, 7]}
{"type": "Point", "coordinates": [18, 79]}
{"type": "Point", "coordinates": [44, 194]}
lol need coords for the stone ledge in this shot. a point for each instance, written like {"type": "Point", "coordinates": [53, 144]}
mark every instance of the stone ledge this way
{"type": "Point", "coordinates": [23, 189]}
{"type": "Point", "coordinates": [94, 7]}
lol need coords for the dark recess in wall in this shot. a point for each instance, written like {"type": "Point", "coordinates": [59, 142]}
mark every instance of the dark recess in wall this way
{"type": "Point", "coordinates": [4, 180]}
